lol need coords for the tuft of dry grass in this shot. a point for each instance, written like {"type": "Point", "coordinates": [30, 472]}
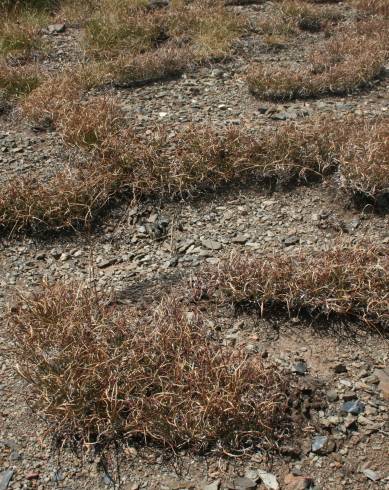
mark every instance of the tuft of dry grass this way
{"type": "Point", "coordinates": [342, 64]}
{"type": "Point", "coordinates": [348, 282]}
{"type": "Point", "coordinates": [373, 7]}
{"type": "Point", "coordinates": [364, 162]}
{"type": "Point", "coordinates": [18, 81]}
{"type": "Point", "coordinates": [100, 373]}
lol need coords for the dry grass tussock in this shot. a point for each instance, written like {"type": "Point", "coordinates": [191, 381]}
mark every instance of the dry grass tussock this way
{"type": "Point", "coordinates": [342, 64]}
{"type": "Point", "coordinates": [100, 373]}
{"type": "Point", "coordinates": [347, 282]}
{"type": "Point", "coordinates": [166, 163]}
{"type": "Point", "coordinates": [288, 17]}
{"type": "Point", "coordinates": [364, 162]}
{"type": "Point", "coordinates": [18, 81]}
{"type": "Point", "coordinates": [374, 7]}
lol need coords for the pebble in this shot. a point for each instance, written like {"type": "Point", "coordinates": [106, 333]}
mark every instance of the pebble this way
{"type": "Point", "coordinates": [5, 478]}
{"type": "Point", "coordinates": [371, 475]}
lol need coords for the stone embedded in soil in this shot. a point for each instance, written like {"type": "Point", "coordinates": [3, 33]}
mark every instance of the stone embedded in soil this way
{"type": "Point", "coordinates": [322, 445]}
{"type": "Point", "coordinates": [332, 396]}
{"type": "Point", "coordinates": [243, 483]}
{"type": "Point", "coordinates": [297, 482]}
{"type": "Point", "coordinates": [355, 407]}
{"type": "Point", "coordinates": [5, 478]}
{"type": "Point", "coordinates": [300, 368]}
{"type": "Point", "coordinates": [371, 475]}
{"type": "Point", "coordinates": [211, 244]}
{"type": "Point", "coordinates": [340, 368]}
{"type": "Point", "coordinates": [212, 486]}
{"type": "Point", "coordinates": [291, 240]}
{"type": "Point", "coordinates": [268, 479]}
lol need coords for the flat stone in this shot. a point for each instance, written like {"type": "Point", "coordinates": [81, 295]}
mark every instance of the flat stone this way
{"type": "Point", "coordinates": [371, 475]}
{"type": "Point", "coordinates": [212, 486]}
{"type": "Point", "coordinates": [300, 368]}
{"type": "Point", "coordinates": [243, 483]}
{"type": "Point", "coordinates": [211, 244]}
{"type": "Point", "coordinates": [291, 240]}
{"type": "Point", "coordinates": [5, 478]}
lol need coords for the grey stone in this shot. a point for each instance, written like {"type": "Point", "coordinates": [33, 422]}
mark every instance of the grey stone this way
{"type": "Point", "coordinates": [355, 407]}
{"type": "Point", "coordinates": [211, 244]}
{"type": "Point", "coordinates": [300, 368]}
{"type": "Point", "coordinates": [268, 479]}
{"type": "Point", "coordinates": [243, 483]}
{"type": "Point", "coordinates": [5, 478]}
{"type": "Point", "coordinates": [332, 396]}
{"type": "Point", "coordinates": [323, 445]}
{"type": "Point", "coordinates": [371, 475]}
{"type": "Point", "coordinates": [291, 240]}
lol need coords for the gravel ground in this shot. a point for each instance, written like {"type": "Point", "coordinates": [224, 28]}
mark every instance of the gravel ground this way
{"type": "Point", "coordinates": [140, 251]}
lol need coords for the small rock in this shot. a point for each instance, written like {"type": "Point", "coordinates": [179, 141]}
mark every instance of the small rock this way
{"type": "Point", "coordinates": [5, 478]}
{"type": "Point", "coordinates": [297, 482]}
{"type": "Point", "coordinates": [371, 475]}
{"type": "Point", "coordinates": [56, 28]}
{"type": "Point", "coordinates": [106, 263]}
{"type": "Point", "coordinates": [240, 239]}
{"type": "Point", "coordinates": [32, 476]}
{"type": "Point", "coordinates": [212, 486]}
{"type": "Point", "coordinates": [268, 479]}
{"type": "Point", "coordinates": [243, 483]}
{"type": "Point", "coordinates": [332, 396]}
{"type": "Point", "coordinates": [291, 240]}
{"type": "Point", "coordinates": [383, 376]}
{"type": "Point", "coordinates": [211, 244]}
{"type": "Point", "coordinates": [340, 368]}
{"type": "Point", "coordinates": [355, 407]}
{"type": "Point", "coordinates": [322, 445]}
{"type": "Point", "coordinates": [300, 368]}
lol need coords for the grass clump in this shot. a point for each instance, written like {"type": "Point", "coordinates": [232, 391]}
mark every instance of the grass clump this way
{"type": "Point", "coordinates": [341, 65]}
{"type": "Point", "coordinates": [364, 162]}
{"type": "Point", "coordinates": [18, 81]}
{"type": "Point", "coordinates": [167, 163]}
{"type": "Point", "coordinates": [346, 282]}
{"type": "Point", "coordinates": [100, 373]}
{"type": "Point", "coordinates": [373, 7]}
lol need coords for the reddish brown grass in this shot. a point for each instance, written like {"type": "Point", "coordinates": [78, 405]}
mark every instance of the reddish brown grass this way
{"type": "Point", "coordinates": [347, 282]}
{"type": "Point", "coordinates": [100, 373]}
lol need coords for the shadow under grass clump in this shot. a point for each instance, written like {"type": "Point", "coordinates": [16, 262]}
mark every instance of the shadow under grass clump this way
{"type": "Point", "coordinates": [101, 373]}
{"type": "Point", "coordinates": [350, 283]}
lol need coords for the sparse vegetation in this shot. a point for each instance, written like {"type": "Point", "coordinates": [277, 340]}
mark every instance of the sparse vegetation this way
{"type": "Point", "coordinates": [344, 282]}
{"type": "Point", "coordinates": [101, 373]}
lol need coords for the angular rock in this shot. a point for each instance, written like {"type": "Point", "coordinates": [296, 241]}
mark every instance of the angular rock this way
{"type": "Point", "coordinates": [5, 478]}
{"type": "Point", "coordinates": [371, 475]}
{"type": "Point", "coordinates": [355, 407]}
{"type": "Point", "coordinates": [322, 445]}
{"type": "Point", "coordinates": [243, 483]}
{"type": "Point", "coordinates": [268, 479]}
